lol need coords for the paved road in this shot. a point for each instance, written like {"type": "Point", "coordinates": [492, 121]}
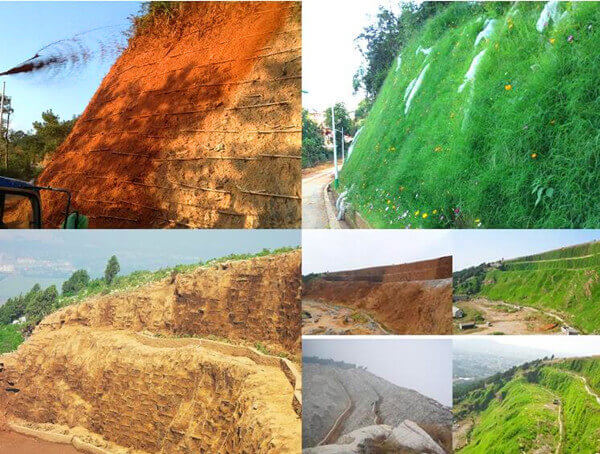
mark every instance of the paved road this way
{"type": "Point", "coordinates": [314, 215]}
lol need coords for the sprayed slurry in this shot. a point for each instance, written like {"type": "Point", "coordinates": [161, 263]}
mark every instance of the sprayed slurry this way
{"type": "Point", "coordinates": [72, 54]}
{"type": "Point", "coordinates": [488, 29]}
{"type": "Point", "coordinates": [470, 75]}
{"type": "Point", "coordinates": [550, 11]}
{"type": "Point", "coordinates": [351, 148]}
{"type": "Point", "coordinates": [414, 87]}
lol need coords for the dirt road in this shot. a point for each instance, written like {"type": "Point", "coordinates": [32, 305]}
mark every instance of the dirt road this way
{"type": "Point", "coordinates": [324, 318]}
{"type": "Point", "coordinates": [314, 214]}
{"type": "Point", "coordinates": [14, 443]}
{"type": "Point", "coordinates": [513, 320]}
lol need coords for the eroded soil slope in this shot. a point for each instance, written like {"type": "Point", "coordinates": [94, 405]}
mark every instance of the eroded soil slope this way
{"type": "Point", "coordinates": [413, 298]}
{"type": "Point", "coordinates": [338, 401]}
{"type": "Point", "coordinates": [256, 300]}
{"type": "Point", "coordinates": [197, 125]}
{"type": "Point", "coordinates": [121, 373]}
{"type": "Point", "coordinates": [153, 395]}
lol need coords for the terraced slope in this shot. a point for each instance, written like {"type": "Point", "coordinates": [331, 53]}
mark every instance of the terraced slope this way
{"type": "Point", "coordinates": [338, 401]}
{"type": "Point", "coordinates": [133, 371]}
{"type": "Point", "coordinates": [545, 406]}
{"type": "Point", "coordinates": [197, 124]}
{"type": "Point", "coordinates": [487, 118]}
{"type": "Point", "coordinates": [565, 280]}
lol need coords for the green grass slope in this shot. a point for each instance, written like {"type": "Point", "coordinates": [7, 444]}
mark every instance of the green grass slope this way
{"type": "Point", "coordinates": [523, 415]}
{"type": "Point", "coordinates": [10, 338]}
{"type": "Point", "coordinates": [518, 147]}
{"type": "Point", "coordinates": [566, 281]}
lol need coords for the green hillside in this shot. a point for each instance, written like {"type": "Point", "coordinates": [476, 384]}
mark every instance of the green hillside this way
{"type": "Point", "coordinates": [486, 121]}
{"type": "Point", "coordinates": [566, 281]}
{"type": "Point", "coordinates": [528, 406]}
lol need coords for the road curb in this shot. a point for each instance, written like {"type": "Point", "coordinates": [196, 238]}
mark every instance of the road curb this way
{"type": "Point", "coordinates": [331, 217]}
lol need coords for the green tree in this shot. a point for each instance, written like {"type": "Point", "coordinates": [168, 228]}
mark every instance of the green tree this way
{"type": "Point", "coordinates": [78, 280]}
{"type": "Point", "coordinates": [41, 304]}
{"type": "Point", "coordinates": [112, 269]}
{"type": "Point", "coordinates": [313, 143]}
{"type": "Point", "coordinates": [380, 43]}
{"type": "Point", "coordinates": [361, 112]}
{"type": "Point", "coordinates": [12, 309]}
{"type": "Point", "coordinates": [28, 149]}
{"type": "Point", "coordinates": [342, 120]}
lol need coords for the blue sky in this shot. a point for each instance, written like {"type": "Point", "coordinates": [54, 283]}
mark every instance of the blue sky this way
{"type": "Point", "coordinates": [29, 26]}
{"type": "Point", "coordinates": [55, 254]}
{"type": "Point", "coordinates": [424, 365]}
{"type": "Point", "coordinates": [472, 247]}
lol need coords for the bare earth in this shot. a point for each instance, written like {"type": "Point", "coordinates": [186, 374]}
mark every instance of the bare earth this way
{"type": "Point", "coordinates": [14, 443]}
{"type": "Point", "coordinates": [335, 319]}
{"type": "Point", "coordinates": [525, 320]}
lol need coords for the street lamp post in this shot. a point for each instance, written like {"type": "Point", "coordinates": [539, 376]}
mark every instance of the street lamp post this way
{"type": "Point", "coordinates": [335, 166]}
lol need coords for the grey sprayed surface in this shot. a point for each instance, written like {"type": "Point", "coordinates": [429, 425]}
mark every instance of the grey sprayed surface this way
{"type": "Point", "coordinates": [325, 391]}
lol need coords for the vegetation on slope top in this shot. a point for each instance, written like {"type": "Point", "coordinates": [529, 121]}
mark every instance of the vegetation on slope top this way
{"type": "Point", "coordinates": [38, 302]}
{"type": "Point", "coordinates": [515, 148]}
{"type": "Point", "coordinates": [526, 404]}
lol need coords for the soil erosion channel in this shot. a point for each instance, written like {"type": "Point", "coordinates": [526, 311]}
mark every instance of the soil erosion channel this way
{"type": "Point", "coordinates": [132, 370]}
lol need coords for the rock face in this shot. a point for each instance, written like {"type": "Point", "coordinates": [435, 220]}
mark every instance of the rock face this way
{"type": "Point", "coordinates": [118, 372]}
{"type": "Point", "coordinates": [414, 298]}
{"type": "Point", "coordinates": [197, 124]}
{"type": "Point", "coordinates": [408, 436]}
{"type": "Point", "coordinates": [339, 401]}
{"type": "Point", "coordinates": [246, 300]}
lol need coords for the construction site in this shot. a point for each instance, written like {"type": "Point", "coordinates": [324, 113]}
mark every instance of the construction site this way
{"type": "Point", "coordinates": [196, 125]}
{"type": "Point", "coordinates": [201, 361]}
{"type": "Point", "coordinates": [411, 298]}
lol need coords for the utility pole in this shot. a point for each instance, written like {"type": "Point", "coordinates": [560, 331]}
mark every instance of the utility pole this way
{"type": "Point", "coordinates": [2, 121]}
{"type": "Point", "coordinates": [343, 157]}
{"type": "Point", "coordinates": [335, 167]}
{"type": "Point", "coordinates": [6, 139]}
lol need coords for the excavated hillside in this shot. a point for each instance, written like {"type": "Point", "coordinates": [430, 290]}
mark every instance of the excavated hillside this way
{"type": "Point", "coordinates": [339, 401]}
{"type": "Point", "coordinates": [123, 373]}
{"type": "Point", "coordinates": [564, 282]}
{"type": "Point", "coordinates": [197, 124]}
{"type": "Point", "coordinates": [547, 406]}
{"type": "Point", "coordinates": [413, 298]}
{"type": "Point", "coordinates": [256, 300]}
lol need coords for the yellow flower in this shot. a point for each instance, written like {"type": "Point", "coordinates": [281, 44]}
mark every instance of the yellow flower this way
{"type": "Point", "coordinates": [401, 188]}
{"type": "Point", "coordinates": [477, 221]}
{"type": "Point", "coordinates": [533, 155]}
{"type": "Point", "coordinates": [437, 149]}
{"type": "Point", "coordinates": [496, 46]}
{"type": "Point", "coordinates": [508, 87]}
{"type": "Point", "coordinates": [434, 211]}
{"type": "Point", "coordinates": [417, 213]}
{"type": "Point", "coordinates": [425, 215]}
{"type": "Point", "coordinates": [551, 40]}
{"type": "Point", "coordinates": [552, 122]}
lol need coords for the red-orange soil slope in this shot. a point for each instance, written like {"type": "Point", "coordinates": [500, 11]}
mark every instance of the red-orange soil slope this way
{"type": "Point", "coordinates": [412, 298]}
{"type": "Point", "coordinates": [197, 124]}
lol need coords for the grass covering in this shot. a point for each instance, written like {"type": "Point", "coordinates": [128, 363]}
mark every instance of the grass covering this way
{"type": "Point", "coordinates": [517, 411]}
{"type": "Point", "coordinates": [10, 338]}
{"type": "Point", "coordinates": [517, 148]}
{"type": "Point", "coordinates": [517, 423]}
{"type": "Point", "coordinates": [565, 280]}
